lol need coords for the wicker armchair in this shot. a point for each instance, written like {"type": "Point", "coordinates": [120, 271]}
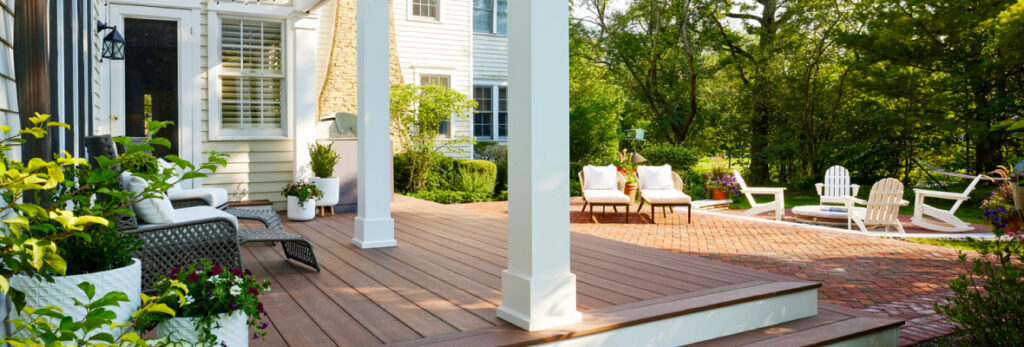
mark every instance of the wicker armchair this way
{"type": "Point", "coordinates": [166, 246]}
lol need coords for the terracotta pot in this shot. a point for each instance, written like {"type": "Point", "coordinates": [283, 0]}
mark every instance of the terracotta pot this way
{"type": "Point", "coordinates": [718, 194]}
{"type": "Point", "coordinates": [630, 190]}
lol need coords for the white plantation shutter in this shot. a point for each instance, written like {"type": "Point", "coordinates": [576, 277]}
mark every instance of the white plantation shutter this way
{"type": "Point", "coordinates": [251, 75]}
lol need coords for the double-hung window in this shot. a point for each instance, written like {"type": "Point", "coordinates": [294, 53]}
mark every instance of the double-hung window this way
{"type": "Point", "coordinates": [426, 9]}
{"type": "Point", "coordinates": [490, 121]}
{"type": "Point", "coordinates": [440, 80]}
{"type": "Point", "coordinates": [251, 78]}
{"type": "Point", "coordinates": [490, 16]}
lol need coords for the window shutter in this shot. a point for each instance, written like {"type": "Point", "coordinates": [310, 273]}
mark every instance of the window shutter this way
{"type": "Point", "coordinates": [251, 75]}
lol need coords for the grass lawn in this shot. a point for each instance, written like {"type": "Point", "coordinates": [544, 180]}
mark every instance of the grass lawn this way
{"type": "Point", "coordinates": [955, 244]}
{"type": "Point", "coordinates": [968, 211]}
{"type": "Point", "coordinates": [707, 163]}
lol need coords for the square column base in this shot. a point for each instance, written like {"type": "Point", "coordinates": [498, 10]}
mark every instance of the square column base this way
{"type": "Point", "coordinates": [538, 303]}
{"type": "Point", "coordinates": [374, 233]}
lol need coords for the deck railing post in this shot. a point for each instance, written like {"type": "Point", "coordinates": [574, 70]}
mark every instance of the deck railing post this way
{"type": "Point", "coordinates": [538, 289]}
{"type": "Point", "coordinates": [374, 226]}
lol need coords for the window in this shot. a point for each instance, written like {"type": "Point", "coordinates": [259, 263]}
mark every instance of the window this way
{"type": "Point", "coordinates": [491, 115]}
{"type": "Point", "coordinates": [490, 16]}
{"type": "Point", "coordinates": [502, 112]}
{"type": "Point", "coordinates": [425, 8]}
{"type": "Point", "coordinates": [483, 119]}
{"type": "Point", "coordinates": [440, 80]}
{"type": "Point", "coordinates": [251, 78]}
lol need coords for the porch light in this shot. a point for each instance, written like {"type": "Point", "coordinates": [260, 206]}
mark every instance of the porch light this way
{"type": "Point", "coordinates": [113, 43]}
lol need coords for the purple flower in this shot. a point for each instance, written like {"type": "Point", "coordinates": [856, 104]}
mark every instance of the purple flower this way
{"type": "Point", "coordinates": [193, 277]}
{"type": "Point", "coordinates": [264, 326]}
{"type": "Point", "coordinates": [217, 270]}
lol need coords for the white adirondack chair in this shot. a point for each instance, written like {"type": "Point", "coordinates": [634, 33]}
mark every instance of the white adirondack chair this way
{"type": "Point", "coordinates": [778, 205]}
{"type": "Point", "coordinates": [882, 209]}
{"type": "Point", "coordinates": [952, 224]}
{"type": "Point", "coordinates": [837, 186]}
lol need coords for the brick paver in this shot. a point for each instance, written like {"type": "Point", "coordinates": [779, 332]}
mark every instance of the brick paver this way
{"type": "Point", "coordinates": [887, 276]}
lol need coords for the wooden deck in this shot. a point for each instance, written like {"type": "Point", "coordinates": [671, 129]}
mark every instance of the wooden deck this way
{"type": "Point", "coordinates": [442, 283]}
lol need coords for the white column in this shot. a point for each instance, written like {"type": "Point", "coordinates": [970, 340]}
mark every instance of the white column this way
{"type": "Point", "coordinates": [538, 291]}
{"type": "Point", "coordinates": [302, 90]}
{"type": "Point", "coordinates": [374, 226]}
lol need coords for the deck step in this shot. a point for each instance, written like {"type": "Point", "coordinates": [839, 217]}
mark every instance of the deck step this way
{"type": "Point", "coordinates": [658, 321]}
{"type": "Point", "coordinates": [833, 326]}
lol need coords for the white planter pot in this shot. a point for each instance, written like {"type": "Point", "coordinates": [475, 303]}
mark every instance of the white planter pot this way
{"type": "Point", "coordinates": [63, 291]}
{"type": "Point", "coordinates": [233, 330]}
{"type": "Point", "coordinates": [331, 186]}
{"type": "Point", "coordinates": [301, 213]}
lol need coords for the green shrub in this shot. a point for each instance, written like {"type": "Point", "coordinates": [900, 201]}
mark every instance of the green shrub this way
{"type": "Point", "coordinates": [139, 162]}
{"type": "Point", "coordinates": [322, 159]}
{"type": "Point", "coordinates": [695, 185]}
{"type": "Point", "coordinates": [478, 176]}
{"type": "Point", "coordinates": [401, 169]}
{"type": "Point", "coordinates": [501, 184]}
{"type": "Point", "coordinates": [451, 197]}
{"type": "Point", "coordinates": [574, 179]}
{"type": "Point", "coordinates": [681, 159]}
{"type": "Point", "coordinates": [987, 306]}
{"type": "Point", "coordinates": [501, 196]}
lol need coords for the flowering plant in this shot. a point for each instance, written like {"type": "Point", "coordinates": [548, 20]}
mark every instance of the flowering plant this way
{"type": "Point", "coordinates": [213, 290]}
{"type": "Point", "coordinates": [998, 211]}
{"type": "Point", "coordinates": [627, 167]}
{"type": "Point", "coordinates": [303, 191]}
{"type": "Point", "coordinates": [725, 182]}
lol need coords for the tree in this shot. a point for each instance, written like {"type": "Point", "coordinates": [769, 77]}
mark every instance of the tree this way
{"type": "Point", "coordinates": [595, 104]}
{"type": "Point", "coordinates": [970, 51]}
{"type": "Point", "coordinates": [417, 112]}
{"type": "Point", "coordinates": [651, 48]}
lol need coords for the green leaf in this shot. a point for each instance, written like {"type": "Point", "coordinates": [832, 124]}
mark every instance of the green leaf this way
{"type": "Point", "coordinates": [105, 337]}
{"type": "Point", "coordinates": [67, 326]}
{"type": "Point", "coordinates": [88, 289]}
{"type": "Point", "coordinates": [101, 175]}
{"type": "Point", "coordinates": [160, 142]}
{"type": "Point", "coordinates": [111, 299]}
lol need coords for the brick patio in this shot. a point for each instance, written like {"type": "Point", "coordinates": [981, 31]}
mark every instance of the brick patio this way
{"type": "Point", "coordinates": [889, 276]}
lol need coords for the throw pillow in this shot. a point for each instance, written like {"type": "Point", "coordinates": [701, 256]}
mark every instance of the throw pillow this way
{"type": "Point", "coordinates": [600, 178]}
{"type": "Point", "coordinates": [655, 177]}
{"type": "Point", "coordinates": [163, 164]}
{"type": "Point", "coordinates": [152, 210]}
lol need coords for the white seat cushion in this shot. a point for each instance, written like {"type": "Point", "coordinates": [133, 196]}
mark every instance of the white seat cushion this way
{"type": "Point", "coordinates": [149, 211]}
{"type": "Point", "coordinates": [665, 197]}
{"type": "Point", "coordinates": [195, 213]}
{"type": "Point", "coordinates": [215, 197]}
{"type": "Point", "coordinates": [600, 178]}
{"type": "Point", "coordinates": [655, 177]}
{"type": "Point", "coordinates": [605, 197]}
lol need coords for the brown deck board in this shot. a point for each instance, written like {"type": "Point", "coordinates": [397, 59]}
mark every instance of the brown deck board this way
{"type": "Point", "coordinates": [443, 281]}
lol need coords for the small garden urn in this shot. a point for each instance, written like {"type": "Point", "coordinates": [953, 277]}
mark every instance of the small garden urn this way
{"type": "Point", "coordinates": [630, 190]}
{"type": "Point", "coordinates": [718, 194]}
{"type": "Point", "coordinates": [301, 210]}
{"type": "Point", "coordinates": [331, 186]}
{"type": "Point", "coordinates": [231, 329]}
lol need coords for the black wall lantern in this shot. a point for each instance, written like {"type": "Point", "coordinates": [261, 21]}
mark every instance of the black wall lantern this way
{"type": "Point", "coordinates": [113, 43]}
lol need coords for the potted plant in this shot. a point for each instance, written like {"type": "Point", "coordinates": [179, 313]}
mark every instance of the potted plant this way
{"type": "Point", "coordinates": [1001, 208]}
{"type": "Point", "coordinates": [220, 306]}
{"type": "Point", "coordinates": [627, 167]}
{"type": "Point", "coordinates": [301, 200]}
{"type": "Point", "coordinates": [722, 186]}
{"type": "Point", "coordinates": [322, 162]}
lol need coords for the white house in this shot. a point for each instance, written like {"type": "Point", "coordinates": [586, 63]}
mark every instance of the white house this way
{"type": "Point", "coordinates": [490, 69]}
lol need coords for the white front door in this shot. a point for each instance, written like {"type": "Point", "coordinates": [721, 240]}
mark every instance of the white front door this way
{"type": "Point", "coordinates": [158, 78]}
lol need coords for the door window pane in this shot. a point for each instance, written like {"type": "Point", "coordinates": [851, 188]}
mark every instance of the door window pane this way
{"type": "Point", "coordinates": [151, 79]}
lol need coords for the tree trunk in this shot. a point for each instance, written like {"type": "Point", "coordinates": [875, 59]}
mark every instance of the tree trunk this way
{"type": "Point", "coordinates": [32, 69]}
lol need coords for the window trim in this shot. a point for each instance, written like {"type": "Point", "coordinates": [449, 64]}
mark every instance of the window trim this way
{"type": "Point", "coordinates": [496, 110]}
{"type": "Point", "coordinates": [216, 131]}
{"type": "Point", "coordinates": [425, 19]}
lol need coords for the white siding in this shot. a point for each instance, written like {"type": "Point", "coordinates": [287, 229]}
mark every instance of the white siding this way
{"type": "Point", "coordinates": [490, 57]}
{"type": "Point", "coordinates": [438, 47]}
{"type": "Point", "coordinates": [257, 169]}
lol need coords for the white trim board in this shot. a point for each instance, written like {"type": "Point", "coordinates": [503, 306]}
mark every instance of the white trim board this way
{"type": "Point", "coordinates": [857, 232]}
{"type": "Point", "coordinates": [705, 325]}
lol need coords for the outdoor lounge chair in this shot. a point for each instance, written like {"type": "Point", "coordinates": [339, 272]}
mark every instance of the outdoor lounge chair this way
{"type": "Point", "coordinates": [603, 186]}
{"type": "Point", "coordinates": [952, 224]}
{"type": "Point", "coordinates": [778, 205]}
{"type": "Point", "coordinates": [662, 187]}
{"type": "Point", "coordinates": [882, 209]}
{"type": "Point", "coordinates": [836, 187]}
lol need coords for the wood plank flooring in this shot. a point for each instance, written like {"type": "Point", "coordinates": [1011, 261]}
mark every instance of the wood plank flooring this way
{"type": "Point", "coordinates": [445, 278]}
